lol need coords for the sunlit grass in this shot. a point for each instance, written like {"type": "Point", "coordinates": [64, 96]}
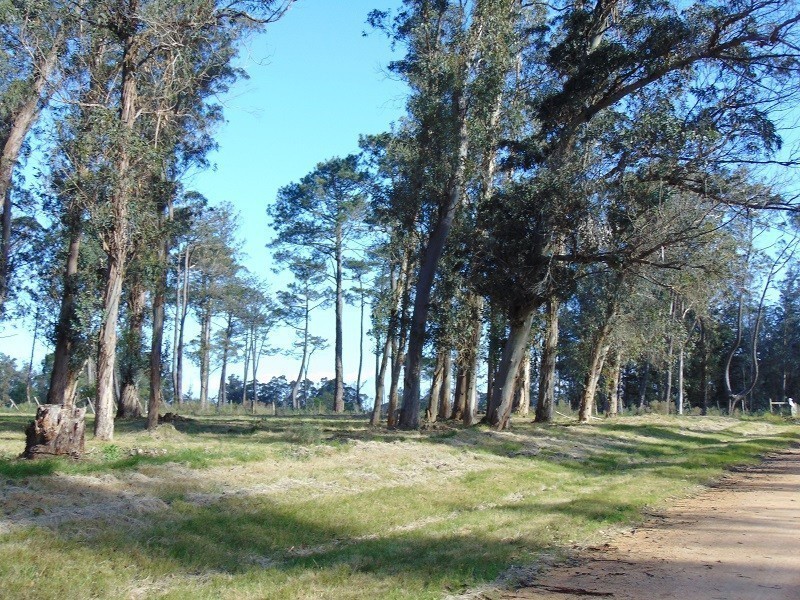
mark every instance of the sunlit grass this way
{"type": "Point", "coordinates": [233, 506]}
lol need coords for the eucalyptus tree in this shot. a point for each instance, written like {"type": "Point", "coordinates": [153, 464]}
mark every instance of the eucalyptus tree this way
{"type": "Point", "coordinates": [322, 217]}
{"type": "Point", "coordinates": [393, 163]}
{"type": "Point", "coordinates": [34, 39]}
{"type": "Point", "coordinates": [457, 57]}
{"type": "Point", "coordinates": [78, 181]}
{"type": "Point", "coordinates": [142, 37]}
{"type": "Point", "coordinates": [592, 62]}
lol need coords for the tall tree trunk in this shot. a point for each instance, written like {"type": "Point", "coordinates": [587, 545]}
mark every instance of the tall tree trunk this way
{"type": "Point", "coordinates": [600, 348]}
{"type": "Point", "coordinates": [394, 382]}
{"type": "Point", "coordinates": [524, 403]}
{"type": "Point", "coordinates": [222, 395]}
{"type": "Point", "coordinates": [432, 412]}
{"type": "Point", "coordinates": [397, 276]}
{"type": "Point", "coordinates": [409, 416]}
{"type": "Point", "coordinates": [106, 354]}
{"type": "Point", "coordinates": [596, 360]}
{"type": "Point", "coordinates": [470, 415]}
{"type": "Point", "coordinates": [205, 353]}
{"type": "Point", "coordinates": [613, 385]}
{"type": "Point", "coordinates": [157, 339]}
{"type": "Point", "coordinates": [64, 373]}
{"type": "Point", "coordinates": [445, 402]}
{"type": "Point", "coordinates": [668, 384]}
{"type": "Point", "coordinates": [130, 368]}
{"type": "Point", "coordinates": [547, 374]}
{"type": "Point", "coordinates": [183, 302]}
{"type": "Point", "coordinates": [254, 357]}
{"type": "Point", "coordinates": [703, 368]}
{"type": "Point", "coordinates": [296, 386]}
{"type": "Point", "coordinates": [400, 343]}
{"type": "Point", "coordinates": [503, 387]}
{"type": "Point", "coordinates": [493, 355]}
{"type": "Point", "coordinates": [359, 402]}
{"type": "Point", "coordinates": [380, 382]}
{"type": "Point", "coordinates": [679, 403]}
{"type": "Point", "coordinates": [115, 242]}
{"type": "Point", "coordinates": [247, 368]}
{"type": "Point", "coordinates": [338, 393]}
{"type": "Point", "coordinates": [460, 393]}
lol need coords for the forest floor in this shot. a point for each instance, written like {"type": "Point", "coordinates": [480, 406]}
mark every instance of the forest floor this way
{"type": "Point", "coordinates": [325, 507]}
{"type": "Point", "coordinates": [736, 541]}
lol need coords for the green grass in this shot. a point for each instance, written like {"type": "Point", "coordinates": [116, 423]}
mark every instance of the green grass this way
{"type": "Point", "coordinates": [324, 507]}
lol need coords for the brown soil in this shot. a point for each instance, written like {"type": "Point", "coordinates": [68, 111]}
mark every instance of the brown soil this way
{"type": "Point", "coordinates": [739, 540]}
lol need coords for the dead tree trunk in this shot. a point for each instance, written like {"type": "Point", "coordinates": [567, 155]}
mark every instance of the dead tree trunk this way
{"type": "Point", "coordinates": [56, 431]}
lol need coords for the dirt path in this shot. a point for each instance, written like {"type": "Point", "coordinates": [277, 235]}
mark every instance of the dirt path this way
{"type": "Point", "coordinates": [739, 540]}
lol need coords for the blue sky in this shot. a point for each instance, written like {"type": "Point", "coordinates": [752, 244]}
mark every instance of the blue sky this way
{"type": "Point", "coordinates": [316, 84]}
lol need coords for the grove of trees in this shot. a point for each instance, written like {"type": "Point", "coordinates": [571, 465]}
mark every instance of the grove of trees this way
{"type": "Point", "coordinates": [587, 206]}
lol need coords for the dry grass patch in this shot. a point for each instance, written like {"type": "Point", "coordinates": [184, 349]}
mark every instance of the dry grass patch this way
{"type": "Point", "coordinates": [241, 507]}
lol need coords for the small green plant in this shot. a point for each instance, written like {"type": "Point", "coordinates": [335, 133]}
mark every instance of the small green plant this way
{"type": "Point", "coordinates": [306, 434]}
{"type": "Point", "coordinates": [111, 452]}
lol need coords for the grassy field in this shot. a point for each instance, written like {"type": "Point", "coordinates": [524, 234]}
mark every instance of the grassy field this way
{"type": "Point", "coordinates": [325, 507]}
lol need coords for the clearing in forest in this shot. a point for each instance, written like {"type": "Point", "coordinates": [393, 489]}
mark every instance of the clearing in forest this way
{"type": "Point", "coordinates": [325, 507]}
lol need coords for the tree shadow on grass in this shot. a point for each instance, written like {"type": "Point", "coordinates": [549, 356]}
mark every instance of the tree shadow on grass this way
{"type": "Point", "coordinates": [243, 536]}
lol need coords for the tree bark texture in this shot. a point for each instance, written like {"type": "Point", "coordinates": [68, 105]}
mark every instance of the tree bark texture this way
{"type": "Point", "coordinates": [596, 359]}
{"type": "Point", "coordinates": [115, 242]}
{"type": "Point", "coordinates": [380, 382]}
{"type": "Point", "coordinates": [460, 394]}
{"type": "Point", "coordinates": [182, 310]}
{"type": "Point", "coordinates": [599, 348]}
{"type": "Point", "coordinates": [157, 339]}
{"type": "Point", "coordinates": [545, 402]}
{"type": "Point", "coordinates": [106, 354]}
{"type": "Point", "coordinates": [613, 385]}
{"type": "Point", "coordinates": [130, 368]}
{"type": "Point", "coordinates": [338, 393]}
{"type": "Point", "coordinates": [470, 416]}
{"type": "Point", "coordinates": [432, 412]}
{"type": "Point", "coordinates": [443, 397]}
{"type": "Point", "coordinates": [503, 387]}
{"type": "Point", "coordinates": [524, 392]}
{"type": "Point", "coordinates": [205, 352]}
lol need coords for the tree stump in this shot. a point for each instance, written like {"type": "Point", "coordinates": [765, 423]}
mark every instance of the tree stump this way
{"type": "Point", "coordinates": [56, 431]}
